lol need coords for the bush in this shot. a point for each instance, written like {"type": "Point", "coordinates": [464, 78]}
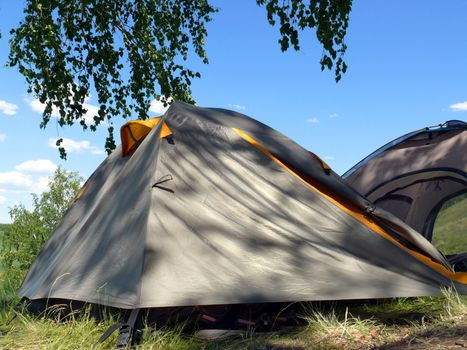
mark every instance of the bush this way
{"type": "Point", "coordinates": [24, 238]}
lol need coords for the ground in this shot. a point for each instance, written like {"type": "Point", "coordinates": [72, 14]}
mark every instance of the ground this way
{"type": "Point", "coordinates": [402, 323]}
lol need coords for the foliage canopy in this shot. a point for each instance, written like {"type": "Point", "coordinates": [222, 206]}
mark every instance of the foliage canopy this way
{"type": "Point", "coordinates": [129, 52]}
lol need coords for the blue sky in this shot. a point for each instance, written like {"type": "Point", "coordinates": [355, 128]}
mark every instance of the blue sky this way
{"type": "Point", "coordinates": [407, 69]}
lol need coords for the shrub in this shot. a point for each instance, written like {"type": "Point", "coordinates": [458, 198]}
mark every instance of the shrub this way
{"type": "Point", "coordinates": [29, 230]}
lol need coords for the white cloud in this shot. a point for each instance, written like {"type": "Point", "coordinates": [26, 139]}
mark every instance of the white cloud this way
{"type": "Point", "coordinates": [37, 166]}
{"type": "Point", "coordinates": [2, 199]}
{"type": "Point", "coordinates": [8, 108]}
{"type": "Point", "coordinates": [333, 115]}
{"type": "Point", "coordinates": [3, 190]}
{"type": "Point", "coordinates": [461, 106]}
{"type": "Point", "coordinates": [97, 151]}
{"type": "Point", "coordinates": [91, 112]}
{"type": "Point", "coordinates": [39, 107]}
{"type": "Point", "coordinates": [2, 137]}
{"type": "Point", "coordinates": [76, 146]}
{"type": "Point", "coordinates": [238, 107]}
{"type": "Point", "coordinates": [25, 182]}
{"type": "Point", "coordinates": [313, 120]}
{"type": "Point", "coordinates": [41, 185]}
{"type": "Point", "coordinates": [15, 178]}
{"type": "Point", "coordinates": [71, 145]}
{"type": "Point", "coordinates": [158, 107]}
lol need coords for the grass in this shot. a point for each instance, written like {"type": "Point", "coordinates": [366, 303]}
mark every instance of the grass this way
{"type": "Point", "coordinates": [450, 231]}
{"type": "Point", "coordinates": [336, 326]}
{"type": "Point", "coordinates": [27, 332]}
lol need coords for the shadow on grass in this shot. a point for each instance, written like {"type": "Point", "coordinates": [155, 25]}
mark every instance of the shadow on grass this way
{"type": "Point", "coordinates": [259, 341]}
{"type": "Point", "coordinates": [440, 337]}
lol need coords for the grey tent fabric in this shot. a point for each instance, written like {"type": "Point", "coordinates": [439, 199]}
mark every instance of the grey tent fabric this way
{"type": "Point", "coordinates": [414, 175]}
{"type": "Point", "coordinates": [210, 218]}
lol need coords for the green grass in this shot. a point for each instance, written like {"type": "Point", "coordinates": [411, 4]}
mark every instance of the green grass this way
{"type": "Point", "coordinates": [337, 326]}
{"type": "Point", "coordinates": [450, 231]}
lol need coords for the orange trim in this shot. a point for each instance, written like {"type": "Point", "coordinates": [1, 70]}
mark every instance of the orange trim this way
{"type": "Point", "coordinates": [134, 132]}
{"type": "Point", "coordinates": [81, 191]}
{"type": "Point", "coordinates": [460, 277]}
{"type": "Point", "coordinates": [165, 131]}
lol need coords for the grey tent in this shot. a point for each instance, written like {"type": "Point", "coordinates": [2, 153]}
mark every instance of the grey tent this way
{"type": "Point", "coordinates": [206, 206]}
{"type": "Point", "coordinates": [414, 175]}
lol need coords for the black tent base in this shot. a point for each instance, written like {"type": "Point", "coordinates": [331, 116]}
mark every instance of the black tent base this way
{"type": "Point", "coordinates": [264, 316]}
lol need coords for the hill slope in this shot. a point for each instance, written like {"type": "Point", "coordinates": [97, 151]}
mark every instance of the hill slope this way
{"type": "Point", "coordinates": [450, 231]}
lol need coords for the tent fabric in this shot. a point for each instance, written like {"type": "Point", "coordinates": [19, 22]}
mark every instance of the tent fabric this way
{"type": "Point", "coordinates": [212, 218]}
{"type": "Point", "coordinates": [134, 132]}
{"type": "Point", "coordinates": [413, 176]}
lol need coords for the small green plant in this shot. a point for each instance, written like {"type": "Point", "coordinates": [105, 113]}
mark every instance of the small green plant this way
{"type": "Point", "coordinates": [170, 339]}
{"type": "Point", "coordinates": [337, 326]}
{"type": "Point", "coordinates": [455, 305]}
{"type": "Point", "coordinates": [421, 309]}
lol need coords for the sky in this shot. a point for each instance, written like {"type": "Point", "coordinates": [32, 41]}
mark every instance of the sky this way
{"type": "Point", "coordinates": [407, 70]}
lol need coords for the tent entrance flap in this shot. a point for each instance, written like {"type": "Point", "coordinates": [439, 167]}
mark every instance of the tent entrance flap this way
{"type": "Point", "coordinates": [412, 176]}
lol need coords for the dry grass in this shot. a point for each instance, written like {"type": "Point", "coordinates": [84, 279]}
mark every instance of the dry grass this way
{"type": "Point", "coordinates": [389, 324]}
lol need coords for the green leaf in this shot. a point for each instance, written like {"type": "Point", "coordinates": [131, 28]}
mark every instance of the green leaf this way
{"type": "Point", "coordinates": [329, 19]}
{"type": "Point", "coordinates": [68, 50]}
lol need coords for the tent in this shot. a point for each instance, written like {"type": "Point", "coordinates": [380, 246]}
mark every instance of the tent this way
{"type": "Point", "coordinates": [415, 174]}
{"type": "Point", "coordinates": [205, 206]}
